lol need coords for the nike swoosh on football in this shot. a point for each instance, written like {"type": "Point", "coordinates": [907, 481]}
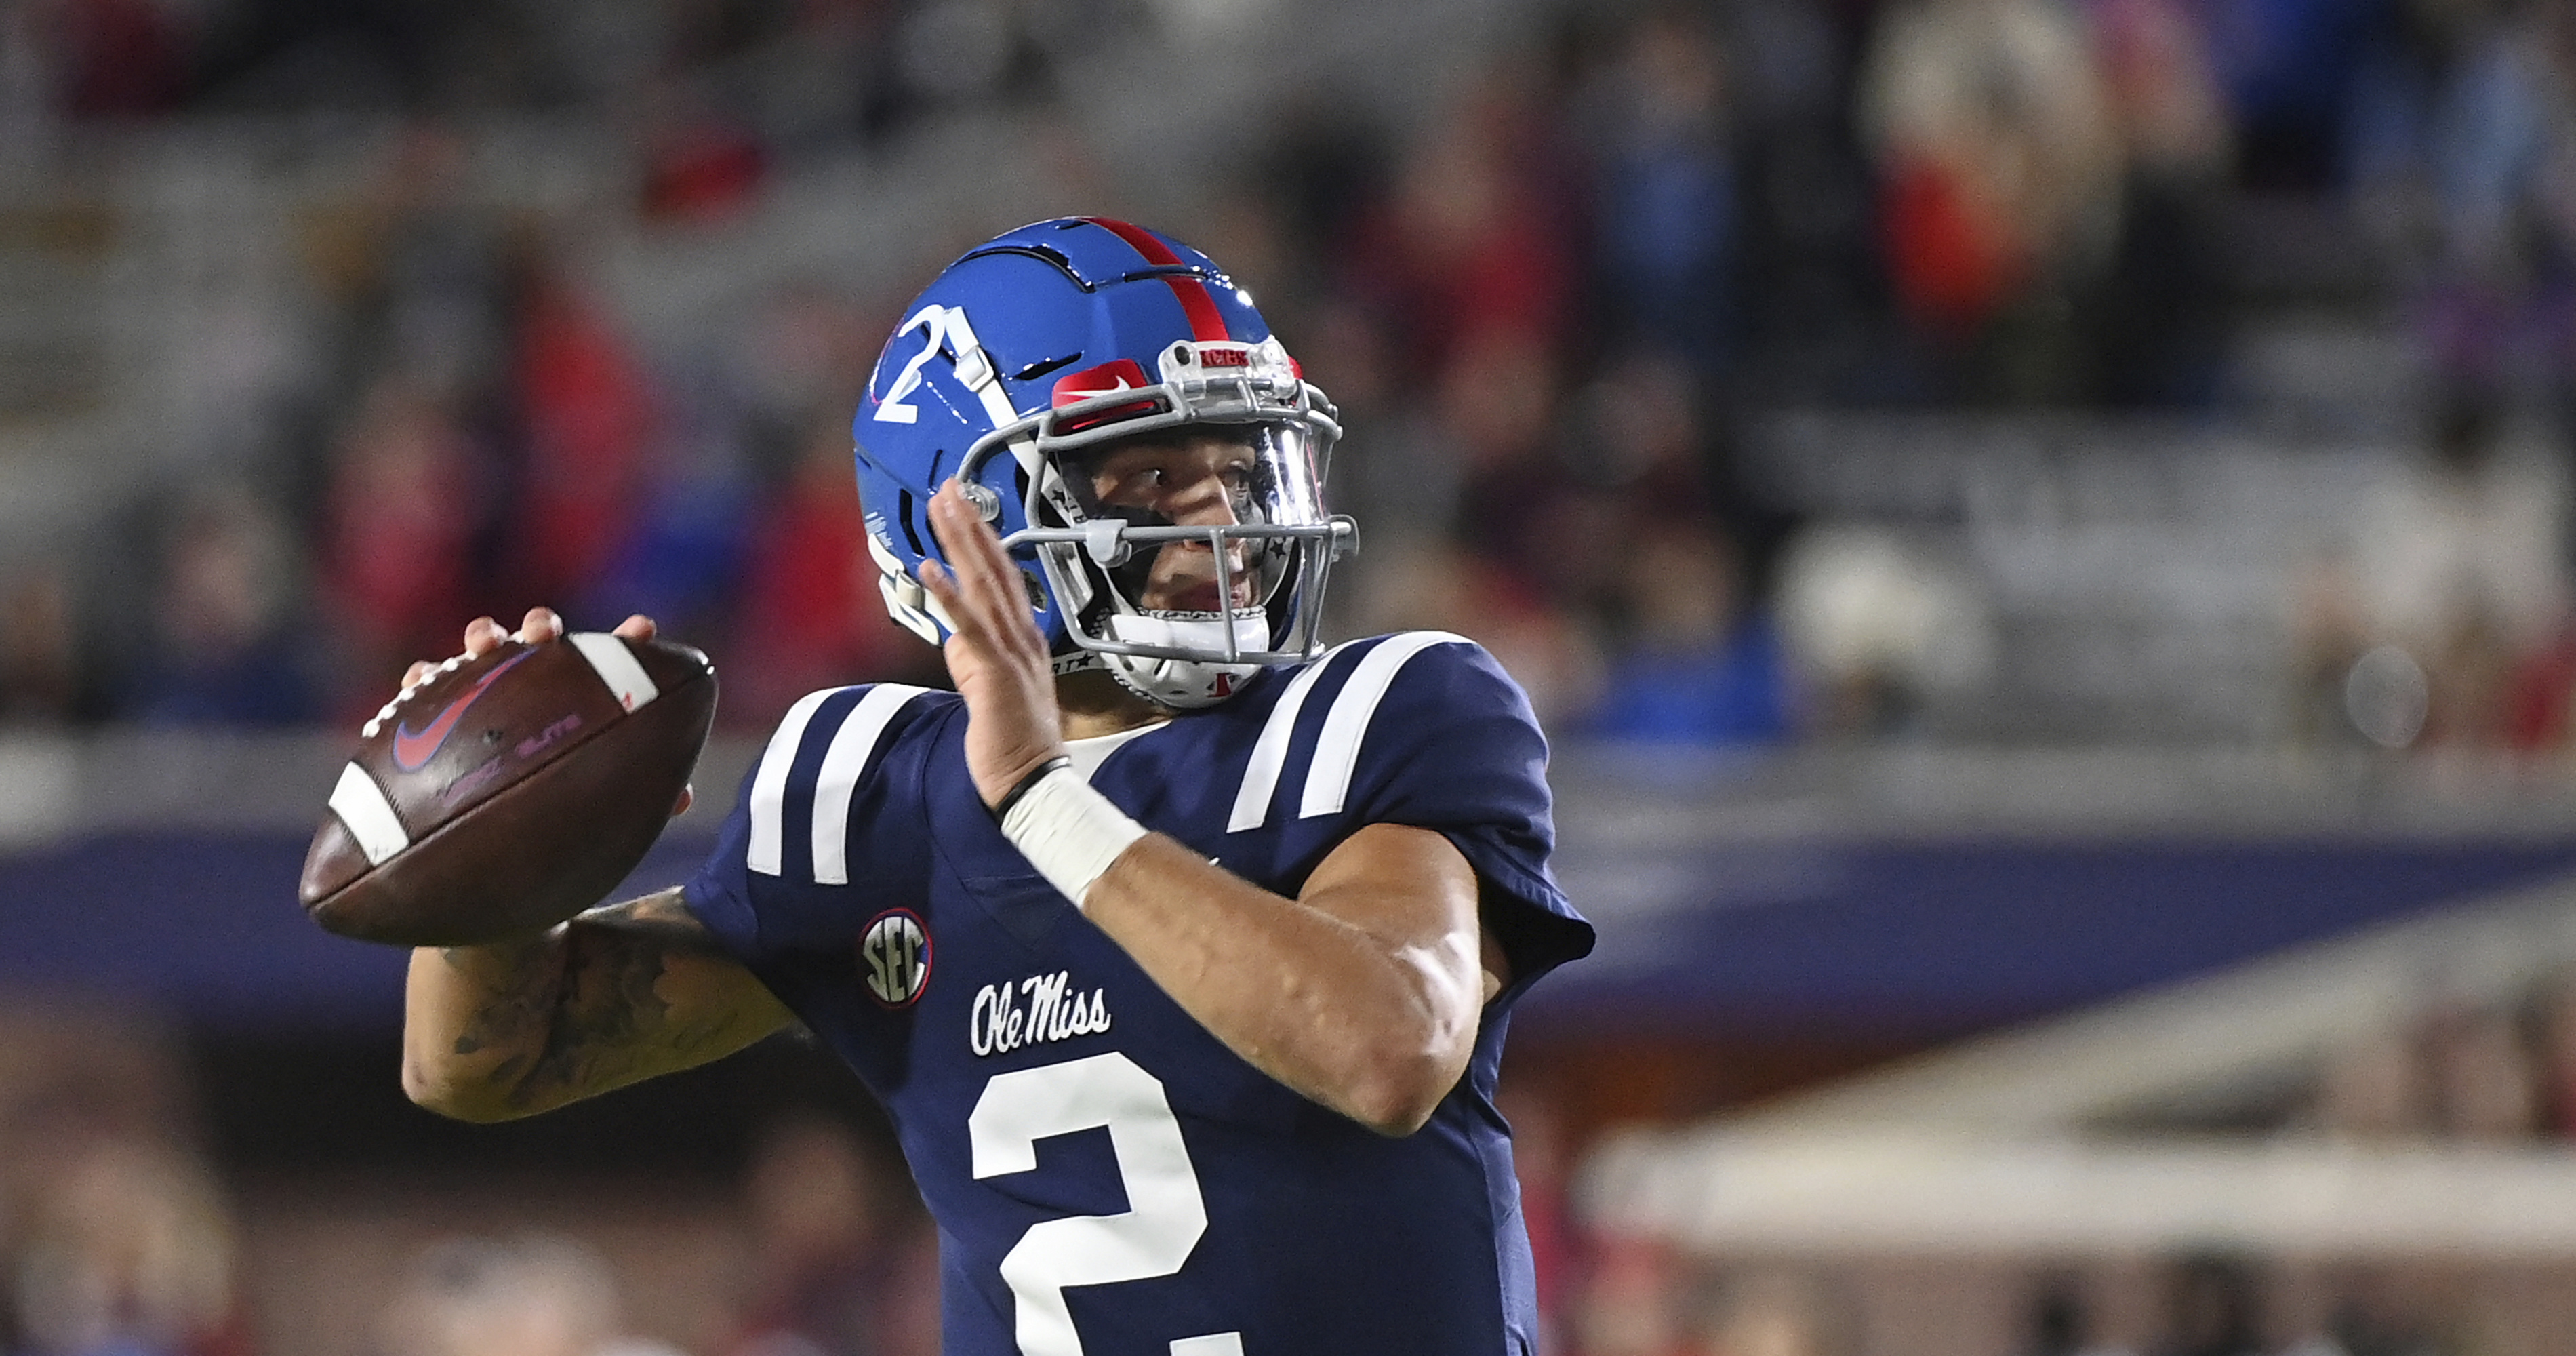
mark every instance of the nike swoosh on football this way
{"type": "Point", "coordinates": [414, 748]}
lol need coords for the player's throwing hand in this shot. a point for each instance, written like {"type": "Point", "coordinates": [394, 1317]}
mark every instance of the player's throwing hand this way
{"type": "Point", "coordinates": [483, 635]}
{"type": "Point", "coordinates": [541, 624]}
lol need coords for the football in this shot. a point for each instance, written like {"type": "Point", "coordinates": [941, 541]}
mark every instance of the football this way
{"type": "Point", "coordinates": [508, 792]}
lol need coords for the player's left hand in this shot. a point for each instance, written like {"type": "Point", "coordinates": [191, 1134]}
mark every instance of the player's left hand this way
{"type": "Point", "coordinates": [995, 652]}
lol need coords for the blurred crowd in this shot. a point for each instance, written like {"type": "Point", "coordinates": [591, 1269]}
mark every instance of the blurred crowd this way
{"type": "Point", "coordinates": [2497, 1076]}
{"type": "Point", "coordinates": [115, 1237]}
{"type": "Point", "coordinates": [1652, 1302]}
{"type": "Point", "coordinates": [842, 1263]}
{"type": "Point", "coordinates": [1603, 1293]}
{"type": "Point", "coordinates": [1551, 308]}
{"type": "Point", "coordinates": [118, 1238]}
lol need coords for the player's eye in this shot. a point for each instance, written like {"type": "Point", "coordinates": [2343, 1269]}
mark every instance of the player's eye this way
{"type": "Point", "coordinates": [1128, 484]}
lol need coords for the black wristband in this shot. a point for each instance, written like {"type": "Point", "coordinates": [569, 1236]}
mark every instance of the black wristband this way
{"type": "Point", "coordinates": [1036, 774]}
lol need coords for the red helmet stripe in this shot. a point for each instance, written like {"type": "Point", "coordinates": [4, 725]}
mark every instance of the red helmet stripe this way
{"type": "Point", "coordinates": [1206, 322]}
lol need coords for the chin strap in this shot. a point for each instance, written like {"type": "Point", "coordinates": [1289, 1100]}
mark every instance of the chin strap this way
{"type": "Point", "coordinates": [1176, 684]}
{"type": "Point", "coordinates": [1220, 638]}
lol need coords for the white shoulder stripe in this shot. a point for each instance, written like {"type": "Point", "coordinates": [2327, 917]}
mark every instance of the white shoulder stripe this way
{"type": "Point", "coordinates": [361, 804]}
{"type": "Point", "coordinates": [616, 667]}
{"type": "Point", "coordinates": [839, 780]}
{"type": "Point", "coordinates": [769, 785]}
{"type": "Point", "coordinates": [1337, 749]}
{"type": "Point", "coordinates": [1270, 751]}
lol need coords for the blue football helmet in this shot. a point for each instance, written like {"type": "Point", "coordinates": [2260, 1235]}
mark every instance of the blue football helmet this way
{"type": "Point", "coordinates": [1028, 355]}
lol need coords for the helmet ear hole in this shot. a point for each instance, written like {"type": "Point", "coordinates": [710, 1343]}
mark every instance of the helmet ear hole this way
{"type": "Point", "coordinates": [905, 510]}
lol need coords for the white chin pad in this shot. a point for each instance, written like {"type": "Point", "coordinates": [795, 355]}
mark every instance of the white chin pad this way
{"type": "Point", "coordinates": [1186, 682]}
{"type": "Point", "coordinates": [1202, 631]}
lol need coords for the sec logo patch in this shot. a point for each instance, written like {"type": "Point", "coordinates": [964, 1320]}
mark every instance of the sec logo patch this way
{"type": "Point", "coordinates": [894, 958]}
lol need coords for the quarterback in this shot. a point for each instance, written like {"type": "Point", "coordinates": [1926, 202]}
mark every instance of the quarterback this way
{"type": "Point", "coordinates": [1178, 947]}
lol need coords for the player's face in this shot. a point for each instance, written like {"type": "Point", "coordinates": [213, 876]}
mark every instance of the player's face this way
{"type": "Point", "coordinates": [1194, 479]}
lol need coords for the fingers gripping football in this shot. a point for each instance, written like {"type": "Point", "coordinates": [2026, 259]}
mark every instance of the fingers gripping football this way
{"type": "Point", "coordinates": [484, 635]}
{"type": "Point", "coordinates": [995, 652]}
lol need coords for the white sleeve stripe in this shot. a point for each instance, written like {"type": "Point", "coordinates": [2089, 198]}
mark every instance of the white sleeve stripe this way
{"type": "Point", "coordinates": [361, 804]}
{"type": "Point", "coordinates": [769, 785]}
{"type": "Point", "coordinates": [1337, 749]}
{"type": "Point", "coordinates": [852, 745]}
{"type": "Point", "coordinates": [1270, 751]}
{"type": "Point", "coordinates": [616, 667]}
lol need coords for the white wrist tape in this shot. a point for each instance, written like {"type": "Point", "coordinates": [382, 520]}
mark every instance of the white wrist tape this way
{"type": "Point", "coordinates": [1068, 831]}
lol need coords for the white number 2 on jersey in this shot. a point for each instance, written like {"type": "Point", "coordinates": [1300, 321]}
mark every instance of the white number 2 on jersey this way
{"type": "Point", "coordinates": [1165, 1214]}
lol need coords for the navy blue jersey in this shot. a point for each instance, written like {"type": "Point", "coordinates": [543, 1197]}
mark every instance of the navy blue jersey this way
{"type": "Point", "coordinates": [1107, 1177]}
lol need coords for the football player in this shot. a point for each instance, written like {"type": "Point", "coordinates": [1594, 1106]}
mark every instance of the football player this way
{"type": "Point", "coordinates": [1178, 947]}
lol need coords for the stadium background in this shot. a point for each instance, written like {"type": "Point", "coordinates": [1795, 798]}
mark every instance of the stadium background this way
{"type": "Point", "coordinates": [2037, 525]}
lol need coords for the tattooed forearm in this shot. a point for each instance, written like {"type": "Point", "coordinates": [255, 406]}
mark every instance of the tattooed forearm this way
{"type": "Point", "coordinates": [515, 1013]}
{"type": "Point", "coordinates": [610, 1022]}
{"type": "Point", "coordinates": [618, 994]}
